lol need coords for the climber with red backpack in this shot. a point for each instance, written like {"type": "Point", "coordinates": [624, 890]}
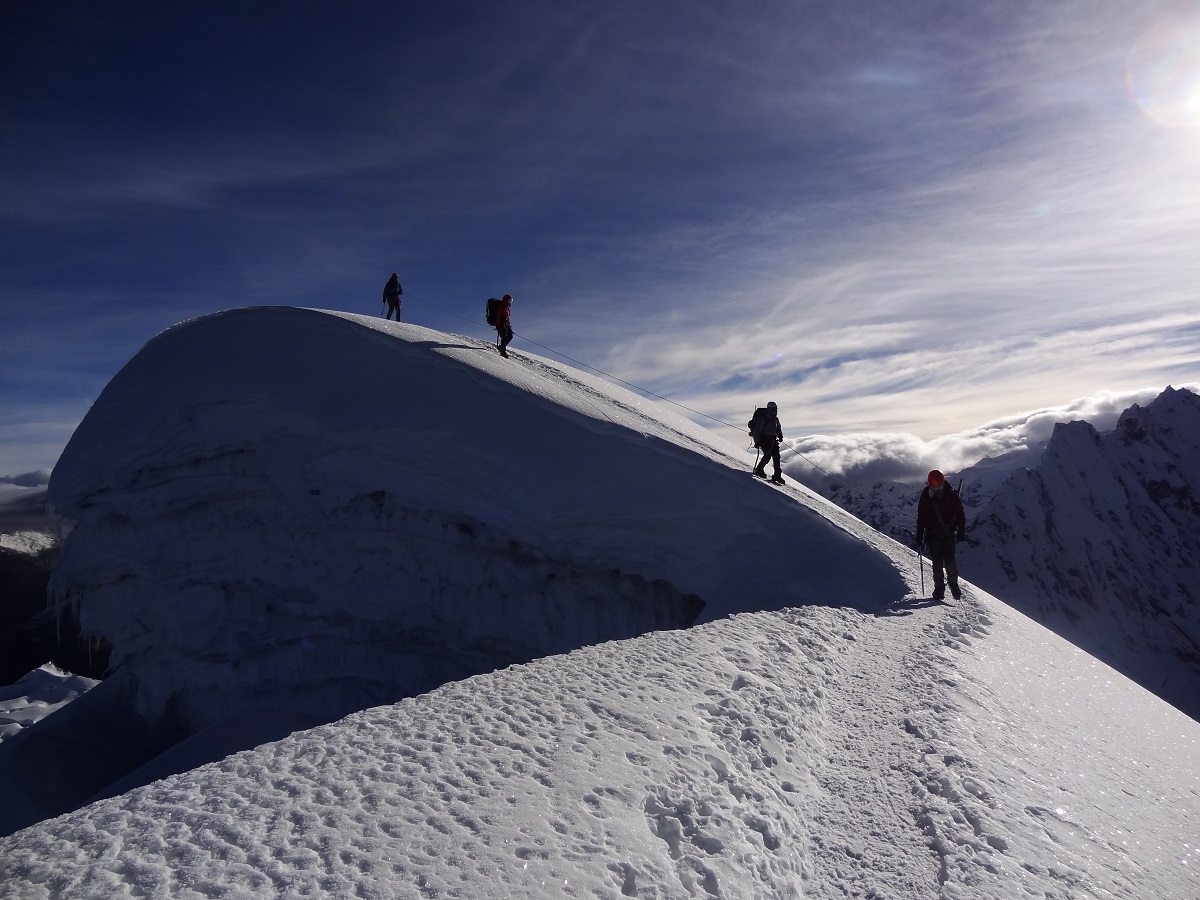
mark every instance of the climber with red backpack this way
{"type": "Point", "coordinates": [498, 313]}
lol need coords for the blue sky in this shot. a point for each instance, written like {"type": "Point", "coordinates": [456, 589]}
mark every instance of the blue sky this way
{"type": "Point", "coordinates": [886, 217]}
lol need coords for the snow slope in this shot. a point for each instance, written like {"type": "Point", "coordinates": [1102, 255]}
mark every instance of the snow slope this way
{"type": "Point", "coordinates": [868, 743]}
{"type": "Point", "coordinates": [1101, 542]}
{"type": "Point", "coordinates": [1099, 539]}
{"type": "Point", "coordinates": [316, 512]}
{"type": "Point", "coordinates": [25, 526]}
{"type": "Point", "coordinates": [40, 693]}
{"type": "Point", "coordinates": [921, 751]}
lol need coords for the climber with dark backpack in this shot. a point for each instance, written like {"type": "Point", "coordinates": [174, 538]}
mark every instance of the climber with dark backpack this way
{"type": "Point", "coordinates": [391, 296]}
{"type": "Point", "coordinates": [767, 434]}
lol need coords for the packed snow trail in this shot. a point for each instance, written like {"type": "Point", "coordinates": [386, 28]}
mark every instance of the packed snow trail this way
{"type": "Point", "coordinates": [683, 764]}
{"type": "Point", "coordinates": [822, 752]}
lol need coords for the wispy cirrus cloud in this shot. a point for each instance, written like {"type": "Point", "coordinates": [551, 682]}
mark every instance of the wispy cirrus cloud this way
{"type": "Point", "coordinates": [1009, 281]}
{"type": "Point", "coordinates": [883, 216]}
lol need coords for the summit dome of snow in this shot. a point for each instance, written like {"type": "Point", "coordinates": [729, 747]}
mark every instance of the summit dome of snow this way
{"type": "Point", "coordinates": [864, 743]}
{"type": "Point", "coordinates": [318, 512]}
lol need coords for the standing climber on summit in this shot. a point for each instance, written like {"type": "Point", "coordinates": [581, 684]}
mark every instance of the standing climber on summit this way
{"type": "Point", "coordinates": [941, 523]}
{"type": "Point", "coordinates": [768, 435]}
{"type": "Point", "coordinates": [391, 296]}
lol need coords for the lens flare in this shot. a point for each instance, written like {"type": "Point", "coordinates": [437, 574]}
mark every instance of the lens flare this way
{"type": "Point", "coordinates": [1163, 74]}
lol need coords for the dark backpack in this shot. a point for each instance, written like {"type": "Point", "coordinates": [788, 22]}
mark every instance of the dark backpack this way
{"type": "Point", "coordinates": [758, 423]}
{"type": "Point", "coordinates": [489, 311]}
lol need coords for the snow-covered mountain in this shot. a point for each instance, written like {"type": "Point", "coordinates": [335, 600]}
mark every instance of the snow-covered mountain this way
{"type": "Point", "coordinates": [52, 688]}
{"type": "Point", "coordinates": [1099, 539]}
{"type": "Point", "coordinates": [822, 731]}
{"type": "Point", "coordinates": [31, 633]}
{"type": "Point", "coordinates": [891, 506]}
{"type": "Point", "coordinates": [25, 526]}
{"type": "Point", "coordinates": [292, 509]}
{"type": "Point", "coordinates": [1101, 542]}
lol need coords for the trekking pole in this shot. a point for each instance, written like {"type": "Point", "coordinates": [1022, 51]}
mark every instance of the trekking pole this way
{"type": "Point", "coordinates": [921, 566]}
{"type": "Point", "coordinates": [757, 449]}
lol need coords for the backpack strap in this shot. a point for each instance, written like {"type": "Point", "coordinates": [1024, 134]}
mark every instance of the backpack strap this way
{"type": "Point", "coordinates": [937, 511]}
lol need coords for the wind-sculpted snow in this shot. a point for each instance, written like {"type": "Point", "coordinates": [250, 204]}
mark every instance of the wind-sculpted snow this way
{"type": "Point", "coordinates": [36, 696]}
{"type": "Point", "coordinates": [917, 752]}
{"type": "Point", "coordinates": [318, 512]}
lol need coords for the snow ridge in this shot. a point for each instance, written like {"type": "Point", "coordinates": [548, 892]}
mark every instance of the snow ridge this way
{"type": "Point", "coordinates": [316, 512]}
{"type": "Point", "coordinates": [919, 752]}
{"type": "Point", "coordinates": [1100, 541]}
{"type": "Point", "coordinates": [852, 740]}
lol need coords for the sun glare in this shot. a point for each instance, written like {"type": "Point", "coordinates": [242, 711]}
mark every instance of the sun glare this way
{"type": "Point", "coordinates": [1163, 74]}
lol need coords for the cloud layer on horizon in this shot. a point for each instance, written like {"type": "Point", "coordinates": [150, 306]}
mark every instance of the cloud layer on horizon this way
{"type": "Point", "coordinates": [872, 457]}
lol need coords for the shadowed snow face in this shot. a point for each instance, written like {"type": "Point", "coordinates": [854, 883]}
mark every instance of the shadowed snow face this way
{"type": "Point", "coordinates": [293, 509]}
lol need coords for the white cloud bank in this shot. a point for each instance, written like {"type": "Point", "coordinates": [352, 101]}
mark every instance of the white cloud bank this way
{"type": "Point", "coordinates": [864, 457]}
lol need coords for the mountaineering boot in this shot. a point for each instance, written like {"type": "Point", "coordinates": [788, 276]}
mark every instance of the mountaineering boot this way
{"type": "Point", "coordinates": [939, 590]}
{"type": "Point", "coordinates": [954, 591]}
{"type": "Point", "coordinates": [778, 479]}
{"type": "Point", "coordinates": [759, 473]}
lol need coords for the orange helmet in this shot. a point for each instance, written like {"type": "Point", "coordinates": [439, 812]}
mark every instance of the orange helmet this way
{"type": "Point", "coordinates": [936, 479]}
